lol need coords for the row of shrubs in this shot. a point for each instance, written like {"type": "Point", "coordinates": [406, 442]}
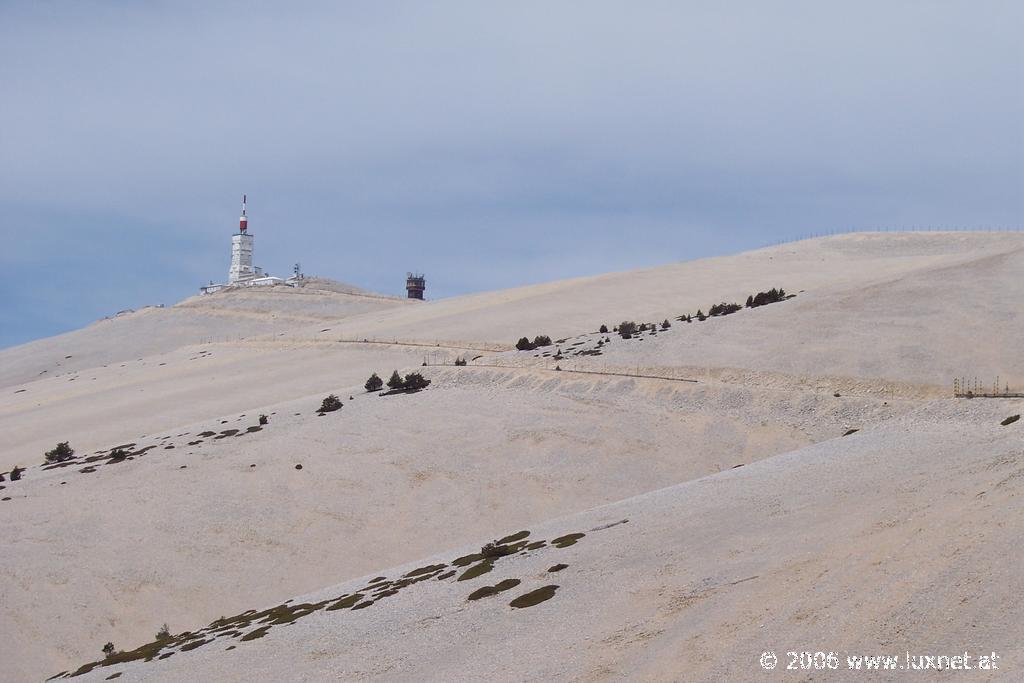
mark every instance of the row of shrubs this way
{"type": "Point", "coordinates": [627, 328]}
{"type": "Point", "coordinates": [524, 343]}
{"type": "Point", "coordinates": [414, 381]}
{"type": "Point", "coordinates": [162, 635]}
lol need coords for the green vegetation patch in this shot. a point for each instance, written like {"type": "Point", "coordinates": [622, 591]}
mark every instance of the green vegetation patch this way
{"type": "Point", "coordinates": [467, 560]}
{"type": "Point", "coordinates": [567, 540]}
{"type": "Point", "coordinates": [429, 569]}
{"type": "Point", "coordinates": [477, 570]}
{"type": "Point", "coordinates": [345, 602]}
{"type": "Point", "coordinates": [513, 537]}
{"type": "Point", "coordinates": [499, 587]}
{"type": "Point", "coordinates": [534, 597]}
{"type": "Point", "coordinates": [256, 633]}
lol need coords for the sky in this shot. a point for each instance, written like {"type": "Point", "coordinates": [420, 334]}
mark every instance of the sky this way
{"type": "Point", "coordinates": [488, 145]}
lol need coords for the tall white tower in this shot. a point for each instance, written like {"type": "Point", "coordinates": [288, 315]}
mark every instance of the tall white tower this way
{"type": "Point", "coordinates": [241, 251]}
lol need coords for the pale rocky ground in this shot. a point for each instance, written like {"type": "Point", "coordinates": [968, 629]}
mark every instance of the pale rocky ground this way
{"type": "Point", "coordinates": [898, 536]}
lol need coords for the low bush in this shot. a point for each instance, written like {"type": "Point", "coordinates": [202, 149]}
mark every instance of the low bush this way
{"type": "Point", "coordinates": [16, 473]}
{"type": "Point", "coordinates": [62, 452]}
{"type": "Point", "coordinates": [414, 381]}
{"type": "Point", "coordinates": [665, 324]}
{"type": "Point", "coordinates": [604, 329]}
{"type": "Point", "coordinates": [493, 551]}
{"type": "Point", "coordinates": [723, 309]}
{"type": "Point", "coordinates": [626, 329]}
{"type": "Point", "coordinates": [374, 383]}
{"type": "Point", "coordinates": [524, 343]}
{"type": "Point", "coordinates": [460, 361]}
{"type": "Point", "coordinates": [772, 296]}
{"type": "Point", "coordinates": [330, 404]}
{"type": "Point", "coordinates": [118, 455]}
{"type": "Point", "coordinates": [264, 419]}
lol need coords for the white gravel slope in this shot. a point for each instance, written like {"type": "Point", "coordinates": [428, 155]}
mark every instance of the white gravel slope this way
{"type": "Point", "coordinates": [901, 537]}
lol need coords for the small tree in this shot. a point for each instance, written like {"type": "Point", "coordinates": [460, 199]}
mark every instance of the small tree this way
{"type": "Point", "coordinates": [460, 361]}
{"type": "Point", "coordinates": [665, 324]}
{"type": "Point", "coordinates": [163, 634]}
{"type": "Point", "coordinates": [118, 455]}
{"type": "Point", "coordinates": [604, 329]}
{"type": "Point", "coordinates": [541, 340]}
{"type": "Point", "coordinates": [750, 301]}
{"type": "Point", "coordinates": [627, 328]}
{"type": "Point", "coordinates": [524, 344]}
{"type": "Point", "coordinates": [264, 419]}
{"type": "Point", "coordinates": [16, 473]}
{"type": "Point", "coordinates": [374, 383]}
{"type": "Point", "coordinates": [396, 381]}
{"type": "Point", "coordinates": [330, 404]}
{"type": "Point", "coordinates": [108, 650]}
{"type": "Point", "coordinates": [62, 452]}
{"type": "Point", "coordinates": [414, 381]}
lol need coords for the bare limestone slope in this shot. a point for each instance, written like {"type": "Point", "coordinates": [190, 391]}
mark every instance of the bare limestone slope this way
{"type": "Point", "coordinates": [196, 525]}
{"type": "Point", "coordinates": [897, 538]}
{"type": "Point", "coordinates": [230, 315]}
{"type": "Point", "coordinates": [185, 530]}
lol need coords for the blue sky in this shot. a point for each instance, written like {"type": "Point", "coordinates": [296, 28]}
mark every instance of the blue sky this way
{"type": "Point", "coordinates": [487, 144]}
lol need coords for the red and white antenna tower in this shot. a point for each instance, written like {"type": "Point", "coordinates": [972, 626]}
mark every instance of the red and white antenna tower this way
{"type": "Point", "coordinates": [243, 222]}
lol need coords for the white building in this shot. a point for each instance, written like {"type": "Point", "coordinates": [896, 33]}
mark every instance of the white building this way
{"type": "Point", "coordinates": [242, 272]}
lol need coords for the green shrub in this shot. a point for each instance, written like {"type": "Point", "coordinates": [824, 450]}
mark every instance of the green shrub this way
{"type": "Point", "coordinates": [414, 381]}
{"type": "Point", "coordinates": [524, 344]}
{"type": "Point", "coordinates": [16, 473]}
{"type": "Point", "coordinates": [163, 634]}
{"type": "Point", "coordinates": [118, 455]}
{"type": "Point", "coordinates": [330, 404]}
{"type": "Point", "coordinates": [541, 340]}
{"type": "Point", "coordinates": [108, 650]}
{"type": "Point", "coordinates": [627, 329]}
{"type": "Point", "coordinates": [493, 551]}
{"type": "Point", "coordinates": [665, 324]}
{"type": "Point", "coordinates": [770, 297]}
{"type": "Point", "coordinates": [604, 329]}
{"type": "Point", "coordinates": [62, 452]}
{"type": "Point", "coordinates": [395, 381]}
{"type": "Point", "coordinates": [723, 309]}
{"type": "Point", "coordinates": [264, 419]}
{"type": "Point", "coordinates": [460, 361]}
{"type": "Point", "coordinates": [374, 383]}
